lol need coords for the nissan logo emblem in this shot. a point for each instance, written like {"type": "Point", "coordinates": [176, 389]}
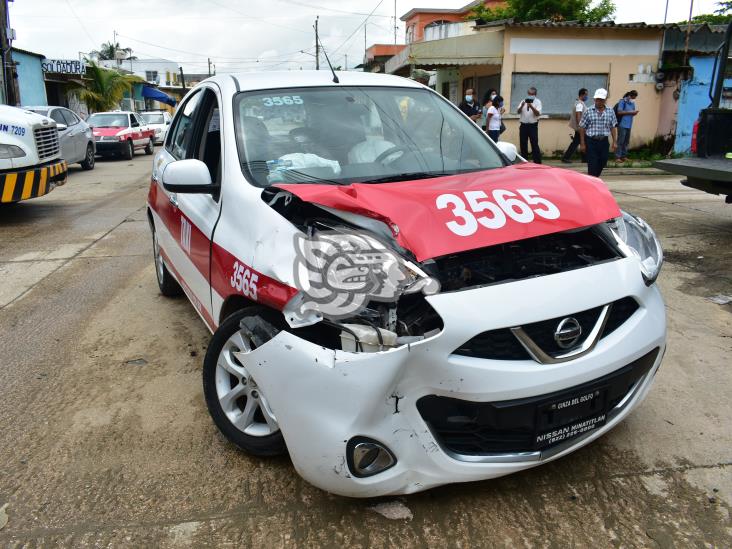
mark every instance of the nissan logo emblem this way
{"type": "Point", "coordinates": [568, 333]}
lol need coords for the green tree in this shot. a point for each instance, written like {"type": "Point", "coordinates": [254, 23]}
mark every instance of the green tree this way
{"type": "Point", "coordinates": [553, 10]}
{"type": "Point", "coordinates": [108, 50]}
{"type": "Point", "coordinates": [104, 88]}
{"type": "Point", "coordinates": [721, 16]}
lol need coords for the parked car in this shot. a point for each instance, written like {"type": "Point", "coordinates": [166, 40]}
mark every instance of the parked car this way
{"type": "Point", "coordinates": [392, 301]}
{"type": "Point", "coordinates": [158, 121]}
{"type": "Point", "coordinates": [121, 133]}
{"type": "Point", "coordinates": [75, 135]}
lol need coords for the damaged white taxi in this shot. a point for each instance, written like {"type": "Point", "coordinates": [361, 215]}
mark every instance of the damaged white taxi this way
{"type": "Point", "coordinates": [395, 300]}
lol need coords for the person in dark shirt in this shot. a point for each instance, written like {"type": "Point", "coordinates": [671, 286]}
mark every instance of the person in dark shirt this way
{"type": "Point", "coordinates": [470, 106]}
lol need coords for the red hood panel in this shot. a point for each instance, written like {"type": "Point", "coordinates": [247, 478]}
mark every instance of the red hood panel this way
{"type": "Point", "coordinates": [429, 230]}
{"type": "Point", "coordinates": [106, 131]}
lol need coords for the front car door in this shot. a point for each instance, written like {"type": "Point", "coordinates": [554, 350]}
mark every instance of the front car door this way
{"type": "Point", "coordinates": [65, 136]}
{"type": "Point", "coordinates": [136, 127]}
{"type": "Point", "coordinates": [189, 219]}
{"type": "Point", "coordinates": [77, 134]}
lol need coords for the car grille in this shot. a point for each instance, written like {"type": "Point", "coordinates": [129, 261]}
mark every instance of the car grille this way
{"type": "Point", "coordinates": [502, 344]}
{"type": "Point", "coordinates": [465, 428]}
{"type": "Point", "coordinates": [46, 142]}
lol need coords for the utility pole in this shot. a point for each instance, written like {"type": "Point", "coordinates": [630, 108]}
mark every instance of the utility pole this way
{"type": "Point", "coordinates": [395, 22]}
{"type": "Point", "coordinates": [114, 47]}
{"type": "Point", "coordinates": [209, 66]}
{"type": "Point", "coordinates": [182, 80]}
{"type": "Point", "coordinates": [688, 33]}
{"type": "Point", "coordinates": [3, 50]}
{"type": "Point", "coordinates": [317, 45]}
{"type": "Point", "coordinates": [665, 14]}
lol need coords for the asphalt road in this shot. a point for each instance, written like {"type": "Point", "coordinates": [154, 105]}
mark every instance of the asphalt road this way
{"type": "Point", "coordinates": [105, 439]}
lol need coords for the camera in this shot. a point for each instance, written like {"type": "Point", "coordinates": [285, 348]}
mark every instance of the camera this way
{"type": "Point", "coordinates": [529, 100]}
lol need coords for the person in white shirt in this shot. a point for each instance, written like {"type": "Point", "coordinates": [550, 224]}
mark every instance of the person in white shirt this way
{"type": "Point", "coordinates": [529, 111]}
{"type": "Point", "coordinates": [493, 118]}
{"type": "Point", "coordinates": [574, 119]}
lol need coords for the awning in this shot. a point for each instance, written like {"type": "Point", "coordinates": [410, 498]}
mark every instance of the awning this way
{"type": "Point", "coordinates": [157, 95]}
{"type": "Point", "coordinates": [479, 48]}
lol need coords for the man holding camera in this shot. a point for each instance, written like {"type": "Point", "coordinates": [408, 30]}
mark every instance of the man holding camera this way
{"type": "Point", "coordinates": [529, 111]}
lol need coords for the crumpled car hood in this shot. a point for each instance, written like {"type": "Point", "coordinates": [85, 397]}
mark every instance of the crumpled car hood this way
{"type": "Point", "coordinates": [434, 217]}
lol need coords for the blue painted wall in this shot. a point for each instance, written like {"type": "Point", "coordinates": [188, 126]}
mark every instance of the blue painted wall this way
{"type": "Point", "coordinates": [30, 79]}
{"type": "Point", "coordinates": [694, 97]}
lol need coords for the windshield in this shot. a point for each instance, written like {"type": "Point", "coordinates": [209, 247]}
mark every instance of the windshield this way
{"type": "Point", "coordinates": [108, 120]}
{"type": "Point", "coordinates": [349, 134]}
{"type": "Point", "coordinates": [153, 118]}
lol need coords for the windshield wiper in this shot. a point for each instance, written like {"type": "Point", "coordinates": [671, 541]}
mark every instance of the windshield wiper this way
{"type": "Point", "coordinates": [405, 177]}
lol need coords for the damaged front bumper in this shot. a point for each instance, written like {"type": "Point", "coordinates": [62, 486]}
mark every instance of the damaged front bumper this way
{"type": "Point", "coordinates": [324, 398]}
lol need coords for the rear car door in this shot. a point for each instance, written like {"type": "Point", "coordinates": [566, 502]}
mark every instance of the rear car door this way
{"type": "Point", "coordinates": [137, 136]}
{"type": "Point", "coordinates": [77, 134]}
{"type": "Point", "coordinates": [190, 218]}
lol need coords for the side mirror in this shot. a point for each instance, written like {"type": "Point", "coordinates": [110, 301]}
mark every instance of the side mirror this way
{"type": "Point", "coordinates": [61, 127]}
{"type": "Point", "coordinates": [188, 176]}
{"type": "Point", "coordinates": [508, 150]}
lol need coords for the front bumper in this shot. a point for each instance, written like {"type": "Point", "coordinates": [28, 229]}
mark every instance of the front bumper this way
{"type": "Point", "coordinates": [22, 184]}
{"type": "Point", "coordinates": [322, 398]}
{"type": "Point", "coordinates": [111, 147]}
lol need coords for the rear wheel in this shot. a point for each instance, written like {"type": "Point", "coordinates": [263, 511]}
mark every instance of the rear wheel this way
{"type": "Point", "coordinates": [168, 285]}
{"type": "Point", "coordinates": [236, 403]}
{"type": "Point", "coordinates": [129, 151]}
{"type": "Point", "coordinates": [150, 147]}
{"type": "Point", "coordinates": [88, 162]}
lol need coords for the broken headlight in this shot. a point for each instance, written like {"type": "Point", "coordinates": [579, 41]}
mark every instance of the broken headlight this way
{"type": "Point", "coordinates": [639, 240]}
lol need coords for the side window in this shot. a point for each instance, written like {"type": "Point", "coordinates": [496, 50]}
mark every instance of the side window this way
{"type": "Point", "coordinates": [70, 117]}
{"type": "Point", "coordinates": [181, 132]}
{"type": "Point", "coordinates": [134, 121]}
{"type": "Point", "coordinates": [58, 117]}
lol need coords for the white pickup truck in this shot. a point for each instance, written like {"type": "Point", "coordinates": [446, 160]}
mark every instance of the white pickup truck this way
{"type": "Point", "coordinates": [30, 156]}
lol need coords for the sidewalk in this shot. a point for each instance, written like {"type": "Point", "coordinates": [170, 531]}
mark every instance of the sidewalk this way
{"type": "Point", "coordinates": [636, 167]}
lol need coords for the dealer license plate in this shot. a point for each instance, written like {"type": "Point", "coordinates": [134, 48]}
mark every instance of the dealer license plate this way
{"type": "Point", "coordinates": [570, 417]}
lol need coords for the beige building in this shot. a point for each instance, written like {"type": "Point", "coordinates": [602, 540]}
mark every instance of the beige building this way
{"type": "Point", "coordinates": [556, 58]}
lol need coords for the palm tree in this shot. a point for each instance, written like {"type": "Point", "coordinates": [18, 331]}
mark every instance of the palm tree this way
{"type": "Point", "coordinates": [104, 88]}
{"type": "Point", "coordinates": [108, 50]}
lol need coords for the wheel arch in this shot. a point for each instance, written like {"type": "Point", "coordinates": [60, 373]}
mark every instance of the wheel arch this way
{"type": "Point", "coordinates": [233, 303]}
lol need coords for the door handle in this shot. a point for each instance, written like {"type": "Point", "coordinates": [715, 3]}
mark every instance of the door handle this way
{"type": "Point", "coordinates": [173, 200]}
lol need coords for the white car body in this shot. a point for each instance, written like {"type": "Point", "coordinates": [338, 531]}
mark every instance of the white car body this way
{"type": "Point", "coordinates": [36, 166]}
{"type": "Point", "coordinates": [326, 400]}
{"type": "Point", "coordinates": [160, 128]}
{"type": "Point", "coordinates": [75, 135]}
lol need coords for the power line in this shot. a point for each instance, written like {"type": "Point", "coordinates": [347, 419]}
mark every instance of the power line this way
{"type": "Point", "coordinates": [68, 3]}
{"type": "Point", "coordinates": [334, 10]}
{"type": "Point", "coordinates": [256, 18]}
{"type": "Point", "coordinates": [359, 27]}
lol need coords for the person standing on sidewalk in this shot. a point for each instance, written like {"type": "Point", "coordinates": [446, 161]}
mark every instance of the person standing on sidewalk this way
{"type": "Point", "coordinates": [470, 106]}
{"type": "Point", "coordinates": [597, 123]}
{"type": "Point", "coordinates": [574, 119]}
{"type": "Point", "coordinates": [493, 118]}
{"type": "Point", "coordinates": [626, 113]}
{"type": "Point", "coordinates": [529, 111]}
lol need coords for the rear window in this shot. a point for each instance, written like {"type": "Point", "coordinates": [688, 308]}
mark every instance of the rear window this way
{"type": "Point", "coordinates": [153, 118]}
{"type": "Point", "coordinates": [108, 120]}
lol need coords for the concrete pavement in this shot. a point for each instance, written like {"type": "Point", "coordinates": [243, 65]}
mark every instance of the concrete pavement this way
{"type": "Point", "coordinates": [105, 439]}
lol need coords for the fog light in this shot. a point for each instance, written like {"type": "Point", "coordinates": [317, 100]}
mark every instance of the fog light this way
{"type": "Point", "coordinates": [367, 457]}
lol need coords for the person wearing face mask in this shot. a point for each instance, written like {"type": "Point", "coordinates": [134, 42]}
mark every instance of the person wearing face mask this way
{"type": "Point", "coordinates": [487, 104]}
{"type": "Point", "coordinates": [470, 106]}
{"type": "Point", "coordinates": [529, 111]}
{"type": "Point", "coordinates": [493, 118]}
{"type": "Point", "coordinates": [574, 119]}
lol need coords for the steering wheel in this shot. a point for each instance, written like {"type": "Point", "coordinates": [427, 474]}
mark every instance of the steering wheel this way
{"type": "Point", "coordinates": [388, 152]}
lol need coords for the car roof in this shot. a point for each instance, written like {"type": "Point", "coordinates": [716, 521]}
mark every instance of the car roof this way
{"type": "Point", "coordinates": [249, 81]}
{"type": "Point", "coordinates": [113, 112]}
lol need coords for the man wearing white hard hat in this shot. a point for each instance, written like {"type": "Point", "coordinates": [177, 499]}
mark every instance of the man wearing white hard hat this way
{"type": "Point", "coordinates": [598, 123]}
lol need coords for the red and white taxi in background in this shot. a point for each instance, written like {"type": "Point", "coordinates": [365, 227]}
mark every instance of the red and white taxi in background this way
{"type": "Point", "coordinates": [522, 319]}
{"type": "Point", "coordinates": [121, 133]}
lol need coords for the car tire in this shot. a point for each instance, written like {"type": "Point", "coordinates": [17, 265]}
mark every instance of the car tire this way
{"type": "Point", "coordinates": [150, 147]}
{"type": "Point", "coordinates": [89, 158]}
{"type": "Point", "coordinates": [237, 405]}
{"type": "Point", "coordinates": [168, 285]}
{"type": "Point", "coordinates": [129, 151]}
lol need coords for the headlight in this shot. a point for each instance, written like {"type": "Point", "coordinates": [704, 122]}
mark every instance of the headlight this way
{"type": "Point", "coordinates": [641, 241]}
{"type": "Point", "coordinates": [11, 151]}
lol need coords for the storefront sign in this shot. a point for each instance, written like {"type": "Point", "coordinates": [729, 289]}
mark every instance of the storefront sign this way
{"type": "Point", "coordinates": [64, 66]}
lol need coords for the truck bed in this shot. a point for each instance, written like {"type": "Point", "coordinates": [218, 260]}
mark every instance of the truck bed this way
{"type": "Point", "coordinates": [710, 169]}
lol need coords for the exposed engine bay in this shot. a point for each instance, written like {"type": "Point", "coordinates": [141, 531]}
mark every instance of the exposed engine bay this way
{"type": "Point", "coordinates": [382, 324]}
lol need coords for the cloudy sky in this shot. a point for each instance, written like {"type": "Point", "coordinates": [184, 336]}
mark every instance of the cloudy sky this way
{"type": "Point", "coordinates": [240, 35]}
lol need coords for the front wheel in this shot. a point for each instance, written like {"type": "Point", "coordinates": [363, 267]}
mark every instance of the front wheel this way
{"type": "Point", "coordinates": [129, 151]}
{"type": "Point", "coordinates": [89, 158]}
{"type": "Point", "coordinates": [149, 148]}
{"type": "Point", "coordinates": [236, 403]}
